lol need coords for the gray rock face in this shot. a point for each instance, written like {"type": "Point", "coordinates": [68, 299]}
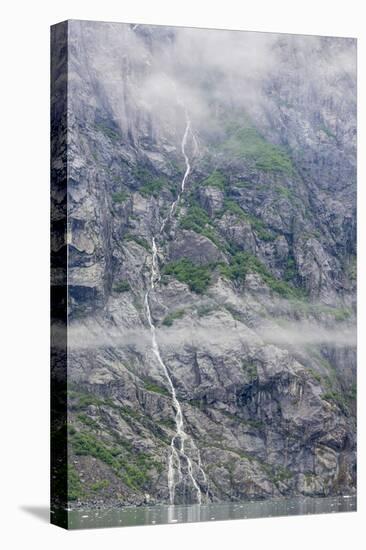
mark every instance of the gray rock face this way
{"type": "Point", "coordinates": [212, 199]}
{"type": "Point", "coordinates": [254, 312]}
{"type": "Point", "coordinates": [238, 232]}
{"type": "Point", "coordinates": [199, 249]}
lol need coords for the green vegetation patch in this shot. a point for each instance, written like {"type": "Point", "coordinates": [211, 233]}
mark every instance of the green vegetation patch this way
{"type": "Point", "coordinates": [133, 468]}
{"type": "Point", "coordinates": [74, 485]}
{"type": "Point", "coordinates": [250, 369]}
{"type": "Point", "coordinates": [256, 223]}
{"type": "Point", "coordinates": [243, 263]}
{"type": "Point", "coordinates": [352, 393]}
{"type": "Point", "coordinates": [342, 314]}
{"type": "Point", "coordinates": [216, 179]}
{"type": "Point", "coordinates": [315, 375]}
{"type": "Point", "coordinates": [71, 429]}
{"type": "Point", "coordinates": [100, 485]}
{"type": "Point", "coordinates": [247, 142]}
{"type": "Point", "coordinates": [337, 313]}
{"type": "Point", "coordinates": [282, 474]}
{"type": "Point", "coordinates": [233, 207]}
{"type": "Point", "coordinates": [276, 474]}
{"type": "Point", "coordinates": [120, 197]}
{"type": "Point", "coordinates": [167, 423]}
{"type": "Point", "coordinates": [290, 271]}
{"type": "Point", "coordinates": [153, 188]}
{"type": "Point", "coordinates": [87, 421]}
{"type": "Point", "coordinates": [205, 309]}
{"type": "Point", "coordinates": [122, 286]}
{"type": "Point", "coordinates": [86, 444]}
{"type": "Point", "coordinates": [351, 268]}
{"type": "Point", "coordinates": [242, 184]}
{"type": "Point", "coordinates": [197, 277]}
{"type": "Point", "coordinates": [337, 398]}
{"type": "Point", "coordinates": [142, 174]}
{"type": "Point", "coordinates": [152, 386]}
{"type": "Point", "coordinates": [196, 219]}
{"type": "Point", "coordinates": [82, 399]}
{"type": "Point", "coordinates": [138, 240]}
{"type": "Point", "coordinates": [107, 131]}
{"type": "Point", "coordinates": [171, 317]}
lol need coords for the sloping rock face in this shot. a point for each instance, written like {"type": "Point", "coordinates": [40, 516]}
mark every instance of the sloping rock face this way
{"type": "Point", "coordinates": [255, 308]}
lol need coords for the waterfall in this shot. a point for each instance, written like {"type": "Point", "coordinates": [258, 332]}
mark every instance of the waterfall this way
{"type": "Point", "coordinates": [179, 456]}
{"type": "Point", "coordinates": [186, 174]}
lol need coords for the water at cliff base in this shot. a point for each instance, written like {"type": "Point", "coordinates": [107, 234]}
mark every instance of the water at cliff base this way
{"type": "Point", "coordinates": [162, 514]}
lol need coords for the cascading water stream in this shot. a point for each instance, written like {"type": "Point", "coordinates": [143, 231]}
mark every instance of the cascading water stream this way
{"type": "Point", "coordinates": [178, 451]}
{"type": "Point", "coordinates": [186, 174]}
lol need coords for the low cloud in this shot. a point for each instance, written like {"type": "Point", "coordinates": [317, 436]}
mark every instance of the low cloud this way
{"type": "Point", "coordinates": [91, 335]}
{"type": "Point", "coordinates": [154, 69]}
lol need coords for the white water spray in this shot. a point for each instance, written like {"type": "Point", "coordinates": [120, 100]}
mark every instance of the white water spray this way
{"type": "Point", "coordinates": [178, 454]}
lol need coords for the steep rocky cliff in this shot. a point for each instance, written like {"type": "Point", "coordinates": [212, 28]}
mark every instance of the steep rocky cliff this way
{"type": "Point", "coordinates": [254, 302]}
